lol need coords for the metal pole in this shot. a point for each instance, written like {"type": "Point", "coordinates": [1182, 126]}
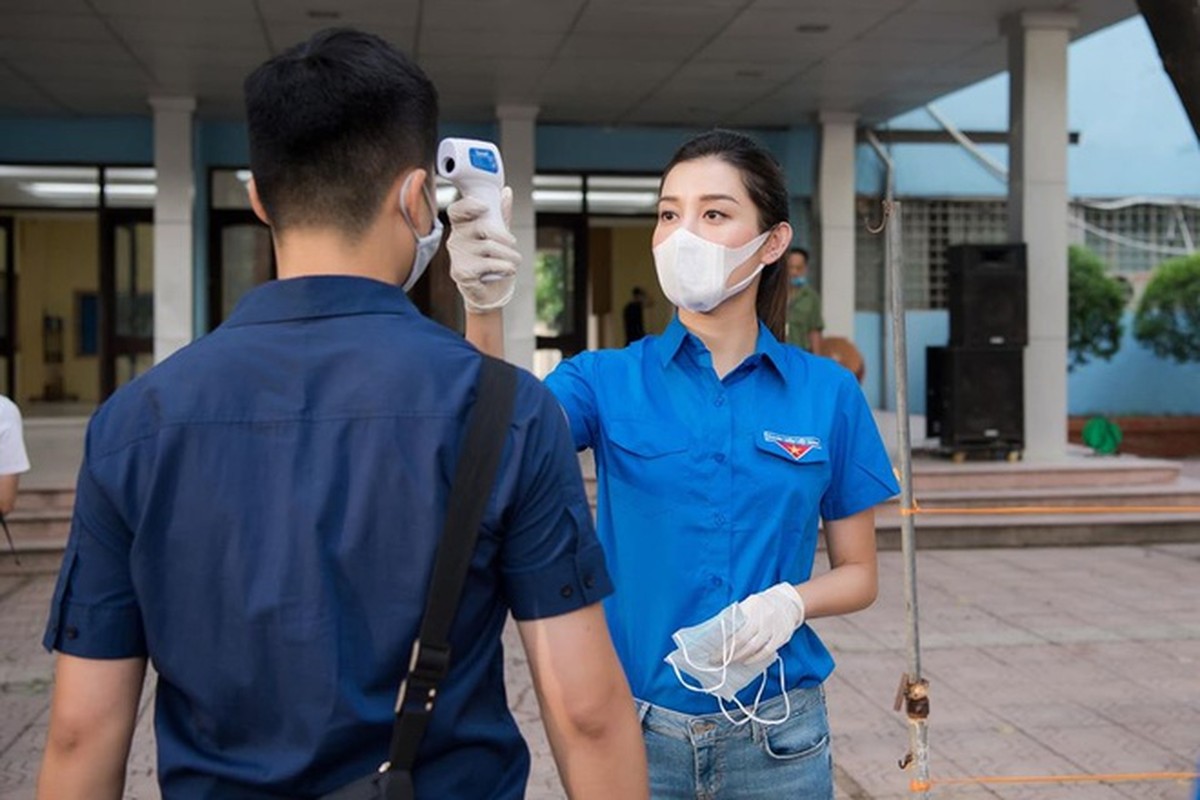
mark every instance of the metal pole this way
{"type": "Point", "coordinates": [885, 401]}
{"type": "Point", "coordinates": [914, 686]}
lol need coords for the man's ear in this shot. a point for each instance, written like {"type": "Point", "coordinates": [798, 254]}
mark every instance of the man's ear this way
{"type": "Point", "coordinates": [256, 202]}
{"type": "Point", "coordinates": [412, 197]}
{"type": "Point", "coordinates": [777, 243]}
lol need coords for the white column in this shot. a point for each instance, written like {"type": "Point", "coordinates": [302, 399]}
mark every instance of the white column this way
{"type": "Point", "coordinates": [173, 268]}
{"type": "Point", "coordinates": [1037, 208]}
{"type": "Point", "coordinates": [518, 129]}
{"type": "Point", "coordinates": [835, 214]}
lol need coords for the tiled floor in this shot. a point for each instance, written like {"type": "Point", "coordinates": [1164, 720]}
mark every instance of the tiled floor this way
{"type": "Point", "coordinates": [1041, 662]}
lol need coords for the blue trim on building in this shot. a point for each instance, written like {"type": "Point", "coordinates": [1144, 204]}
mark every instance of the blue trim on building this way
{"type": "Point", "coordinates": [74, 140]}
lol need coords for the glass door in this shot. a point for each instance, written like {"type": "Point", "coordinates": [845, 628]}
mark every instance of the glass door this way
{"type": "Point", "coordinates": [240, 258]}
{"type": "Point", "coordinates": [8, 310]}
{"type": "Point", "coordinates": [127, 296]}
{"type": "Point", "coordinates": [561, 283]}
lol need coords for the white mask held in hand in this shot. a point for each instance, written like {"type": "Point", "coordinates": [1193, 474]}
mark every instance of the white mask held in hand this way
{"type": "Point", "coordinates": [693, 271]}
{"type": "Point", "coordinates": [427, 245]}
{"type": "Point", "coordinates": [705, 653]}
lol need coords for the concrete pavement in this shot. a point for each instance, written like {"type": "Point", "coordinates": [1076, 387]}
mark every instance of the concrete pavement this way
{"type": "Point", "coordinates": [1041, 661]}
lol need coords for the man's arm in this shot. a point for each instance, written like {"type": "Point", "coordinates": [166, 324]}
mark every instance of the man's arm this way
{"type": "Point", "coordinates": [8, 493]}
{"type": "Point", "coordinates": [92, 716]}
{"type": "Point", "coordinates": [586, 705]}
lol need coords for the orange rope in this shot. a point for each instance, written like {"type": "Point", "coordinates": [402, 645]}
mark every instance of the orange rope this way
{"type": "Point", "coordinates": [915, 510]}
{"type": "Point", "coordinates": [1124, 777]}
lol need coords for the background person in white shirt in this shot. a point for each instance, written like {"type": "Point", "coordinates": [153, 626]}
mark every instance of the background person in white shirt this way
{"type": "Point", "coordinates": [13, 458]}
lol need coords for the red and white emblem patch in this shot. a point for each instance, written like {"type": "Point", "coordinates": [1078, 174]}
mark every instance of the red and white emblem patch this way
{"type": "Point", "coordinates": [796, 451]}
{"type": "Point", "coordinates": [795, 446]}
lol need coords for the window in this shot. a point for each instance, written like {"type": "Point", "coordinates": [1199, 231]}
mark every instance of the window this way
{"type": "Point", "coordinates": [929, 227]}
{"type": "Point", "coordinates": [1136, 236]}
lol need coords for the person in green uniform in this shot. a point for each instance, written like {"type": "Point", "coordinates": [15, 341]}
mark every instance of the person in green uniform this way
{"type": "Point", "coordinates": [804, 321]}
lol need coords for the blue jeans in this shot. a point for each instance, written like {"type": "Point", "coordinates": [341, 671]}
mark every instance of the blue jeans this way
{"type": "Point", "coordinates": [706, 757]}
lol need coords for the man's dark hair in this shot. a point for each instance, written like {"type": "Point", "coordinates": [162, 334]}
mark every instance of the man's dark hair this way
{"type": "Point", "coordinates": [332, 122]}
{"type": "Point", "coordinates": [799, 250]}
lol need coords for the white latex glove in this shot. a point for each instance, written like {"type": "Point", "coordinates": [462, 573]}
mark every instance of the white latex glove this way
{"type": "Point", "coordinates": [772, 616]}
{"type": "Point", "coordinates": [483, 258]}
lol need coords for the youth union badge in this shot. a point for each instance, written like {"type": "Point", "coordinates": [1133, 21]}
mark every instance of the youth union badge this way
{"type": "Point", "coordinates": [795, 446]}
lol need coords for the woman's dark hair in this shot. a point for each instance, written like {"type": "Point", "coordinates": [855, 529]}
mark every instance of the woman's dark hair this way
{"type": "Point", "coordinates": [765, 183]}
{"type": "Point", "coordinates": [332, 122]}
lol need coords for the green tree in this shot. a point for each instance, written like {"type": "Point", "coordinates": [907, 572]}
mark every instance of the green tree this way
{"type": "Point", "coordinates": [1095, 302]}
{"type": "Point", "coordinates": [1168, 316]}
{"type": "Point", "coordinates": [549, 289]}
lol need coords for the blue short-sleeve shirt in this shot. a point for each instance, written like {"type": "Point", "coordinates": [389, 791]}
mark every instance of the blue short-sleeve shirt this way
{"type": "Point", "coordinates": [711, 490]}
{"type": "Point", "coordinates": [259, 515]}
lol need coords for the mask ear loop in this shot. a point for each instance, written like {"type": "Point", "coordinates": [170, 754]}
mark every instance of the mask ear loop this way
{"type": "Point", "coordinates": [757, 242]}
{"type": "Point", "coordinates": [726, 658]}
{"type": "Point", "coordinates": [750, 715]}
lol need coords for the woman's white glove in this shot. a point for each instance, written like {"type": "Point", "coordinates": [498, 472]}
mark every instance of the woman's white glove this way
{"type": "Point", "coordinates": [772, 616]}
{"type": "Point", "coordinates": [483, 257]}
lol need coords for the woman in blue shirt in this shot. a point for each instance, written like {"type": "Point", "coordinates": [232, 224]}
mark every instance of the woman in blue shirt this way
{"type": "Point", "coordinates": [718, 450]}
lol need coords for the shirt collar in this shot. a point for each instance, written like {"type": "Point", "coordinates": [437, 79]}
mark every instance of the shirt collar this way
{"type": "Point", "coordinates": [318, 296]}
{"type": "Point", "coordinates": [671, 340]}
{"type": "Point", "coordinates": [767, 348]}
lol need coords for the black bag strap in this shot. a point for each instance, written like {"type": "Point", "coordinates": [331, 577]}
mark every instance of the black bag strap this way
{"type": "Point", "coordinates": [474, 476]}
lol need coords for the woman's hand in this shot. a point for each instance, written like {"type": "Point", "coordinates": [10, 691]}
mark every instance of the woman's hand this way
{"type": "Point", "coordinates": [772, 616]}
{"type": "Point", "coordinates": [483, 259]}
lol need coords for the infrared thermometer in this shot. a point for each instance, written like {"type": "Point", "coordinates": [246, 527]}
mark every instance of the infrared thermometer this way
{"type": "Point", "coordinates": [475, 169]}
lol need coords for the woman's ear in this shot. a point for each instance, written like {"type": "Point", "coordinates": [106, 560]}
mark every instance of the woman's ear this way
{"type": "Point", "coordinates": [777, 243]}
{"type": "Point", "coordinates": [256, 202]}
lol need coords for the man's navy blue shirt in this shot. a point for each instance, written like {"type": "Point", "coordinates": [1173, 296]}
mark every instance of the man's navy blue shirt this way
{"type": "Point", "coordinates": [259, 515]}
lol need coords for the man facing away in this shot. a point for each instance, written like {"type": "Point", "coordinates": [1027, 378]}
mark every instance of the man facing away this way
{"type": "Point", "coordinates": [804, 320]}
{"type": "Point", "coordinates": [258, 515]}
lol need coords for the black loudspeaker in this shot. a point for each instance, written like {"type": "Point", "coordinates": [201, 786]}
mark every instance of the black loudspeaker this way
{"type": "Point", "coordinates": [934, 393]}
{"type": "Point", "coordinates": [975, 397]}
{"type": "Point", "coordinates": [988, 295]}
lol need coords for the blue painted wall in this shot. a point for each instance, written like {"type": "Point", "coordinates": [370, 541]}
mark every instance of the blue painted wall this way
{"type": "Point", "coordinates": [1134, 382]}
{"type": "Point", "coordinates": [922, 329]}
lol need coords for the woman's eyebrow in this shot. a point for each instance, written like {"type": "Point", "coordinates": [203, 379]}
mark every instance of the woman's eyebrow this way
{"type": "Point", "coordinates": [704, 197]}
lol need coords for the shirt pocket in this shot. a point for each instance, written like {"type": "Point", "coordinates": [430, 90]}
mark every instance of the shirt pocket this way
{"type": "Point", "coordinates": [648, 465]}
{"type": "Point", "coordinates": [647, 440]}
{"type": "Point", "coordinates": [795, 470]}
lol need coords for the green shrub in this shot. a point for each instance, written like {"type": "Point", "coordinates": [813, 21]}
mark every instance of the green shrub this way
{"type": "Point", "coordinates": [1095, 302]}
{"type": "Point", "coordinates": [1168, 316]}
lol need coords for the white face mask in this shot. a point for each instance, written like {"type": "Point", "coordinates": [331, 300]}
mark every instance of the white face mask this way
{"type": "Point", "coordinates": [705, 652]}
{"type": "Point", "coordinates": [693, 271]}
{"type": "Point", "coordinates": [427, 245]}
